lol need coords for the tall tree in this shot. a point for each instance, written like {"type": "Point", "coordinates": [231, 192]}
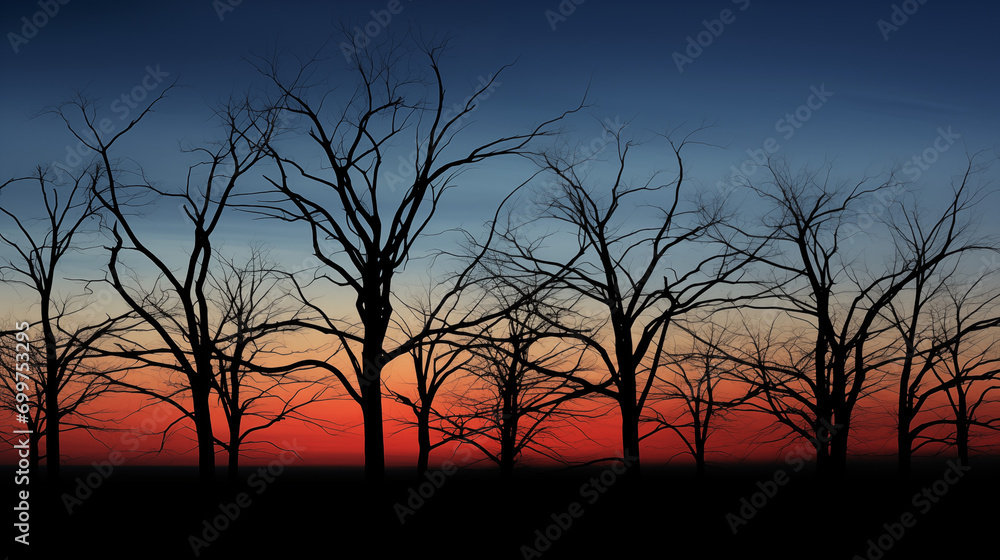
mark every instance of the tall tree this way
{"type": "Point", "coordinates": [368, 205]}
{"type": "Point", "coordinates": [637, 276]}
{"type": "Point", "coordinates": [820, 283]}
{"type": "Point", "coordinates": [175, 308]}
{"type": "Point", "coordinates": [35, 258]}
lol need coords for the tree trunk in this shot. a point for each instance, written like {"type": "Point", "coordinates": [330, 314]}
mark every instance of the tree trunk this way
{"type": "Point", "coordinates": [627, 399]}
{"type": "Point", "coordinates": [371, 408]}
{"type": "Point", "coordinates": [34, 455]}
{"type": "Point", "coordinates": [904, 444]}
{"type": "Point", "coordinates": [52, 445]}
{"type": "Point", "coordinates": [838, 444]}
{"type": "Point", "coordinates": [508, 443]}
{"type": "Point", "coordinates": [53, 451]}
{"type": "Point", "coordinates": [841, 417]}
{"type": "Point", "coordinates": [234, 451]}
{"type": "Point", "coordinates": [824, 460]}
{"type": "Point", "coordinates": [423, 439]}
{"type": "Point", "coordinates": [506, 457]}
{"type": "Point", "coordinates": [234, 465]}
{"type": "Point", "coordinates": [699, 456]}
{"type": "Point", "coordinates": [508, 412]}
{"type": "Point", "coordinates": [822, 403]}
{"type": "Point", "coordinates": [200, 393]}
{"type": "Point", "coordinates": [375, 310]}
{"type": "Point", "coordinates": [630, 434]}
{"type": "Point", "coordinates": [962, 427]}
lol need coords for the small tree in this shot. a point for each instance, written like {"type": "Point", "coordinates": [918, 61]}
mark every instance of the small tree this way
{"type": "Point", "coordinates": [520, 390]}
{"type": "Point", "coordinates": [255, 308]}
{"type": "Point", "coordinates": [438, 359]}
{"type": "Point", "coordinates": [950, 368]}
{"type": "Point", "coordinates": [971, 365]}
{"type": "Point", "coordinates": [690, 391]}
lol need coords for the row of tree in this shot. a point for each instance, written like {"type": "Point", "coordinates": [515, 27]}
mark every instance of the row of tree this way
{"type": "Point", "coordinates": [644, 293]}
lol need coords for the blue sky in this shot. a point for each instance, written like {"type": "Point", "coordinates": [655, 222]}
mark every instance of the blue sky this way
{"type": "Point", "coordinates": [893, 89]}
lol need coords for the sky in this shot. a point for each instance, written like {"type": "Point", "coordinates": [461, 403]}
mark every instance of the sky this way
{"type": "Point", "coordinates": [868, 86]}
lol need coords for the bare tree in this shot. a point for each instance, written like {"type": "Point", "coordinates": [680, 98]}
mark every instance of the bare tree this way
{"type": "Point", "coordinates": [513, 405]}
{"type": "Point", "coordinates": [945, 328]}
{"type": "Point", "coordinates": [970, 370]}
{"type": "Point", "coordinates": [637, 277]}
{"type": "Point", "coordinates": [63, 383]}
{"type": "Point", "coordinates": [175, 307]}
{"type": "Point", "coordinates": [936, 318]}
{"type": "Point", "coordinates": [364, 211]}
{"type": "Point", "coordinates": [691, 388]}
{"type": "Point", "coordinates": [519, 394]}
{"type": "Point", "coordinates": [436, 361]}
{"type": "Point", "coordinates": [250, 299]}
{"type": "Point", "coordinates": [835, 295]}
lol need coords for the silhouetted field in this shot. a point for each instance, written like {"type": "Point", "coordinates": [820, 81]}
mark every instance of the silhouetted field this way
{"type": "Point", "coordinates": [144, 512]}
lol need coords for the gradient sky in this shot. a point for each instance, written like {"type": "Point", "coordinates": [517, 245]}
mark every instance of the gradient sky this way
{"type": "Point", "coordinates": [891, 90]}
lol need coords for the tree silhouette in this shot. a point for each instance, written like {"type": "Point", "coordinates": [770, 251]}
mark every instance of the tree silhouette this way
{"type": "Point", "coordinates": [62, 381]}
{"type": "Point", "coordinates": [363, 219]}
{"type": "Point", "coordinates": [817, 281]}
{"type": "Point", "coordinates": [519, 393]}
{"type": "Point", "coordinates": [690, 385]}
{"type": "Point", "coordinates": [436, 360]}
{"type": "Point", "coordinates": [971, 366]}
{"type": "Point", "coordinates": [250, 299]}
{"type": "Point", "coordinates": [637, 277]}
{"type": "Point", "coordinates": [175, 307]}
{"type": "Point", "coordinates": [945, 328]}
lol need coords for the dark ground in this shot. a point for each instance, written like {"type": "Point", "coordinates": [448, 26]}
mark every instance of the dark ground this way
{"type": "Point", "coordinates": [143, 512]}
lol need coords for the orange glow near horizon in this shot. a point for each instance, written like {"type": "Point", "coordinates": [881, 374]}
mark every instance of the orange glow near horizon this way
{"type": "Point", "coordinates": [132, 431]}
{"type": "Point", "coordinates": [134, 437]}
